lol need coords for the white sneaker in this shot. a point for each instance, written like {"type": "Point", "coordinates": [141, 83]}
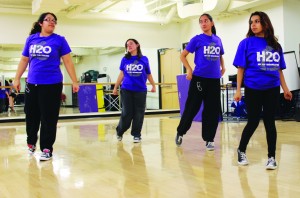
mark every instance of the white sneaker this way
{"type": "Point", "coordinates": [46, 155]}
{"type": "Point", "coordinates": [137, 139]}
{"type": "Point", "coordinates": [271, 164]}
{"type": "Point", "coordinates": [31, 149]}
{"type": "Point", "coordinates": [210, 146]}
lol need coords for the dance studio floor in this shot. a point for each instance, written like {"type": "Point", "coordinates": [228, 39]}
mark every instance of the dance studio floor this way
{"type": "Point", "coordinates": [88, 161]}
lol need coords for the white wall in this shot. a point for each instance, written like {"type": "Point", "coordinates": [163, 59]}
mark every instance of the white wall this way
{"type": "Point", "coordinates": [291, 26]}
{"type": "Point", "coordinates": [93, 33]}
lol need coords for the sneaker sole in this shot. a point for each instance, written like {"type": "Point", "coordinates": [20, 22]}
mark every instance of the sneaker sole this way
{"type": "Point", "coordinates": [210, 149]}
{"type": "Point", "coordinates": [271, 168]}
{"type": "Point", "coordinates": [45, 159]}
{"type": "Point", "coordinates": [243, 164]}
{"type": "Point", "coordinates": [119, 138]}
{"type": "Point", "coordinates": [136, 141]}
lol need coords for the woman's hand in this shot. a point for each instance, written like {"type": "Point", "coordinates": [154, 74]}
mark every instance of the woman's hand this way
{"type": "Point", "coordinates": [288, 95]}
{"type": "Point", "coordinates": [237, 96]}
{"type": "Point", "coordinates": [115, 91]}
{"type": "Point", "coordinates": [189, 74]}
{"type": "Point", "coordinates": [75, 87]}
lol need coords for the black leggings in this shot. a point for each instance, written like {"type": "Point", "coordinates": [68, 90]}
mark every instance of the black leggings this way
{"type": "Point", "coordinates": [257, 102]}
{"type": "Point", "coordinates": [208, 91]}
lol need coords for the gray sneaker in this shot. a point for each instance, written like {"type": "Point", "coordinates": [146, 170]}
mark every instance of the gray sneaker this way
{"type": "Point", "coordinates": [210, 146]}
{"type": "Point", "coordinates": [119, 137]}
{"type": "Point", "coordinates": [178, 140]}
{"type": "Point", "coordinates": [271, 164]}
{"type": "Point", "coordinates": [137, 139]}
{"type": "Point", "coordinates": [242, 158]}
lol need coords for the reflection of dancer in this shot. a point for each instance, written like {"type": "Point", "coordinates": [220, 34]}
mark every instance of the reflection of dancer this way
{"type": "Point", "coordinates": [273, 186]}
{"type": "Point", "coordinates": [212, 175]}
{"type": "Point", "coordinates": [134, 72]}
{"type": "Point", "coordinates": [260, 61]}
{"type": "Point", "coordinates": [43, 52]}
{"type": "Point", "coordinates": [135, 173]}
{"type": "Point", "coordinates": [244, 183]}
{"type": "Point", "coordinates": [192, 186]}
{"type": "Point", "coordinates": [42, 180]}
{"type": "Point", "coordinates": [205, 82]}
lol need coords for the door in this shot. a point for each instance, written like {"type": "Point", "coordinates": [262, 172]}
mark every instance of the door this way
{"type": "Point", "coordinates": [170, 67]}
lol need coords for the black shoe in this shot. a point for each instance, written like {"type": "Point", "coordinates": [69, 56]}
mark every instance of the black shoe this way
{"type": "Point", "coordinates": [178, 140]}
{"type": "Point", "coordinates": [242, 158]}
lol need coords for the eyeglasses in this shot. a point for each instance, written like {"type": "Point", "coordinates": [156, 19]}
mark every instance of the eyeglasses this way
{"type": "Point", "coordinates": [50, 20]}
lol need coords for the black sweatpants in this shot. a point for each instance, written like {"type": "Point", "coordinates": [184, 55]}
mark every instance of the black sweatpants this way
{"type": "Point", "coordinates": [257, 101]}
{"type": "Point", "coordinates": [208, 91]}
{"type": "Point", "coordinates": [133, 110]}
{"type": "Point", "coordinates": [42, 103]}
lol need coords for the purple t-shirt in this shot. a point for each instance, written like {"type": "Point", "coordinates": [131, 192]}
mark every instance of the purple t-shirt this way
{"type": "Point", "coordinates": [44, 58]}
{"type": "Point", "coordinates": [261, 63]}
{"type": "Point", "coordinates": [135, 73]}
{"type": "Point", "coordinates": [208, 50]}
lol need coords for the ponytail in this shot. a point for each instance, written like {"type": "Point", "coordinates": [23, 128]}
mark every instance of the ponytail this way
{"type": "Point", "coordinates": [35, 28]}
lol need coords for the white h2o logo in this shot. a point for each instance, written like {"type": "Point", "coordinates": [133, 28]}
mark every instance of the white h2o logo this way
{"type": "Point", "coordinates": [134, 67]}
{"type": "Point", "coordinates": [267, 56]}
{"type": "Point", "coordinates": [211, 50]}
{"type": "Point", "coordinates": [39, 49]}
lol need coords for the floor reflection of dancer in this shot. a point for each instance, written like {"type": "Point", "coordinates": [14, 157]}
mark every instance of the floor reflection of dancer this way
{"type": "Point", "coordinates": [136, 182]}
{"type": "Point", "coordinates": [212, 175]}
{"type": "Point", "coordinates": [247, 192]}
{"type": "Point", "coordinates": [193, 185]}
{"type": "Point", "coordinates": [42, 180]}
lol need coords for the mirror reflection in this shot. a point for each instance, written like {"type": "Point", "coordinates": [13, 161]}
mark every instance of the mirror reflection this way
{"type": "Point", "coordinates": [97, 70]}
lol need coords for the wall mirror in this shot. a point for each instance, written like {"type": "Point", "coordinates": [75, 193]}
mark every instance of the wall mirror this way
{"type": "Point", "coordinates": [100, 65]}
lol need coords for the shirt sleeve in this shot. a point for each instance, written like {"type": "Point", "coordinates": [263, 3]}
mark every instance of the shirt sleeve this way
{"type": "Point", "coordinates": [147, 66]}
{"type": "Point", "coordinates": [65, 48]}
{"type": "Point", "coordinates": [191, 46]}
{"type": "Point", "coordinates": [121, 65]}
{"type": "Point", "coordinates": [282, 61]}
{"type": "Point", "coordinates": [240, 56]}
{"type": "Point", "coordinates": [26, 48]}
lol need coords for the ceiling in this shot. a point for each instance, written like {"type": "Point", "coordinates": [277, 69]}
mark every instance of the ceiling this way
{"type": "Point", "coordinates": [146, 11]}
{"type": "Point", "coordinates": [153, 11]}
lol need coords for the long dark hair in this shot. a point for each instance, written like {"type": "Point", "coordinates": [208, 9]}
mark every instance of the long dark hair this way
{"type": "Point", "coordinates": [213, 28]}
{"type": "Point", "coordinates": [267, 29]}
{"type": "Point", "coordinates": [139, 52]}
{"type": "Point", "coordinates": [36, 27]}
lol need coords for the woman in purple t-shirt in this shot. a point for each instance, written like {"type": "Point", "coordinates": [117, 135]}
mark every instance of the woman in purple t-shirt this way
{"type": "Point", "coordinates": [205, 82]}
{"type": "Point", "coordinates": [134, 72]}
{"type": "Point", "coordinates": [259, 59]}
{"type": "Point", "coordinates": [42, 52]}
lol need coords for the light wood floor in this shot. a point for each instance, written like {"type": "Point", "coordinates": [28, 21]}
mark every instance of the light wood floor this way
{"type": "Point", "coordinates": [89, 162]}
